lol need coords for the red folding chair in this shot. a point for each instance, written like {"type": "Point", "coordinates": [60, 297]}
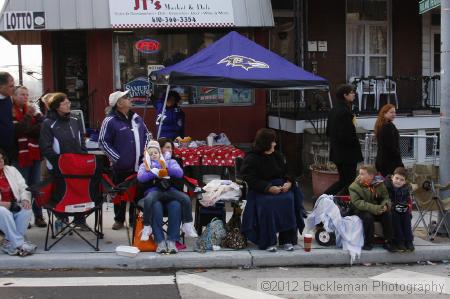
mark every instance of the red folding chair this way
{"type": "Point", "coordinates": [73, 190]}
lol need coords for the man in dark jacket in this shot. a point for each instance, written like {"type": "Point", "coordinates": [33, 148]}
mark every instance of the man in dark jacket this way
{"type": "Point", "coordinates": [345, 150]}
{"type": "Point", "coordinates": [123, 136]}
{"type": "Point", "coordinates": [6, 118]}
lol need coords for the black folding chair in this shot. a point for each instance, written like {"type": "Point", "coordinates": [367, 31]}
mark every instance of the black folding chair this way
{"type": "Point", "coordinates": [187, 185]}
{"type": "Point", "coordinates": [204, 215]}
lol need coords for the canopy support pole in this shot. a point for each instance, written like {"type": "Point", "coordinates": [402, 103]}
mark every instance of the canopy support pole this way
{"type": "Point", "coordinates": [160, 118]}
{"type": "Point", "coordinates": [280, 142]}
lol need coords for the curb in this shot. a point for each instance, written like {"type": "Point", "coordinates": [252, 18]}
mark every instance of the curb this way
{"type": "Point", "coordinates": [220, 259]}
{"type": "Point", "coordinates": [184, 260]}
{"type": "Point", "coordinates": [333, 257]}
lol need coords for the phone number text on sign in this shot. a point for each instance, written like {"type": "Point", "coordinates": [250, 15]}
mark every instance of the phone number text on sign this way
{"type": "Point", "coordinates": [173, 20]}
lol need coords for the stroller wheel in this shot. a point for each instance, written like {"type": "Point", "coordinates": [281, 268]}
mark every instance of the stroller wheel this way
{"type": "Point", "coordinates": [324, 238]}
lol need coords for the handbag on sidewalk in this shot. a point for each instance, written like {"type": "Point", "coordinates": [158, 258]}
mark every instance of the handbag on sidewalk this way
{"type": "Point", "coordinates": [234, 239]}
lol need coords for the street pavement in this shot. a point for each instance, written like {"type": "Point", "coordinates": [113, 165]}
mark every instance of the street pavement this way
{"type": "Point", "coordinates": [87, 284]}
{"type": "Point", "coordinates": [426, 280]}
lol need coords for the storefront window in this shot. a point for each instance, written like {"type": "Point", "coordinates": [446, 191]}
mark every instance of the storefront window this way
{"type": "Point", "coordinates": [137, 53]}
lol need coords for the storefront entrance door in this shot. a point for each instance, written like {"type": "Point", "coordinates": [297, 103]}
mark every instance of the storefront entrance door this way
{"type": "Point", "coordinates": [71, 69]}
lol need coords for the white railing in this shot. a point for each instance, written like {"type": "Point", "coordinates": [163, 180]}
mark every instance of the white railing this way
{"type": "Point", "coordinates": [413, 148]}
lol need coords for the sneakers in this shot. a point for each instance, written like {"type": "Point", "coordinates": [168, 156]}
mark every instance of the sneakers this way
{"type": "Point", "coordinates": [409, 247]}
{"type": "Point", "coordinates": [27, 248]}
{"type": "Point", "coordinates": [400, 248]}
{"type": "Point", "coordinates": [189, 230]}
{"type": "Point", "coordinates": [171, 247]}
{"type": "Point", "coordinates": [40, 222]}
{"type": "Point", "coordinates": [8, 249]}
{"type": "Point", "coordinates": [288, 247]}
{"type": "Point", "coordinates": [162, 247]}
{"type": "Point", "coordinates": [271, 249]}
{"type": "Point", "coordinates": [146, 232]}
{"type": "Point", "coordinates": [81, 224]}
{"type": "Point", "coordinates": [117, 225]}
{"type": "Point", "coordinates": [389, 247]}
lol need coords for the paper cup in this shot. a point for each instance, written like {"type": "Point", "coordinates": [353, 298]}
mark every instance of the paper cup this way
{"type": "Point", "coordinates": [209, 140]}
{"type": "Point", "coordinates": [307, 239]}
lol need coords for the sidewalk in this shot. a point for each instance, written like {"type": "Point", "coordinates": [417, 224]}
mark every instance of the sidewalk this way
{"type": "Point", "coordinates": [73, 253]}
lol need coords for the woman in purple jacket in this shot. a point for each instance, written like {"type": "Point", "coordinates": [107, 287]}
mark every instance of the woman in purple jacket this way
{"type": "Point", "coordinates": [156, 172]}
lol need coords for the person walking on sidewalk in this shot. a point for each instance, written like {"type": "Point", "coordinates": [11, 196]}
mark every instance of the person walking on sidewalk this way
{"type": "Point", "coordinates": [15, 210]}
{"type": "Point", "coordinates": [388, 141]}
{"type": "Point", "coordinates": [6, 119]}
{"type": "Point", "coordinates": [27, 125]}
{"type": "Point", "coordinates": [369, 200]}
{"type": "Point", "coordinates": [123, 136]}
{"type": "Point", "coordinates": [345, 150]}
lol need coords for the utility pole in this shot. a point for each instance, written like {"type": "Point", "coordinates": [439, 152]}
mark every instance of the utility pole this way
{"type": "Point", "coordinates": [299, 29]}
{"type": "Point", "coordinates": [444, 162]}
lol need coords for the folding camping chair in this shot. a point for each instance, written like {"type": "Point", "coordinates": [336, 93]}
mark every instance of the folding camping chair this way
{"type": "Point", "coordinates": [204, 215]}
{"type": "Point", "coordinates": [189, 186]}
{"type": "Point", "coordinates": [126, 191]}
{"type": "Point", "coordinates": [427, 201]}
{"type": "Point", "coordinates": [72, 191]}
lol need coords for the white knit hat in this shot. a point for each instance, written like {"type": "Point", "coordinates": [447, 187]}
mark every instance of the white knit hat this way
{"type": "Point", "coordinates": [115, 96]}
{"type": "Point", "coordinates": [154, 144]}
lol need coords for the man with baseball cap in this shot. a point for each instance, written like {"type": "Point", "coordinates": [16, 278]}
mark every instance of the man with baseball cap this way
{"type": "Point", "coordinates": [123, 136]}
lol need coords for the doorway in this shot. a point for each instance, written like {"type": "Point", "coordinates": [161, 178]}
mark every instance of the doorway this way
{"type": "Point", "coordinates": [70, 65]}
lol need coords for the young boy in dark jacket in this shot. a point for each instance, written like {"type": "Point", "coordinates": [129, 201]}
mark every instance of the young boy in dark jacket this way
{"type": "Point", "coordinates": [399, 193]}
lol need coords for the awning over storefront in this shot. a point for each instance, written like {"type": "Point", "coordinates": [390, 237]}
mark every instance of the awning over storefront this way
{"type": "Point", "coordinates": [426, 5]}
{"type": "Point", "coordinates": [31, 15]}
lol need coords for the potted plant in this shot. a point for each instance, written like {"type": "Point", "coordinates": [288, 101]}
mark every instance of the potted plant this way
{"type": "Point", "coordinates": [323, 171]}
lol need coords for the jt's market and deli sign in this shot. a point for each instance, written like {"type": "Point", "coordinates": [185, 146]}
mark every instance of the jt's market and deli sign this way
{"type": "Point", "coordinates": [24, 20]}
{"type": "Point", "coordinates": [170, 13]}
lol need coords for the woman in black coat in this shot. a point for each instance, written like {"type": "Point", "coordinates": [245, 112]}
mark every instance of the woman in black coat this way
{"type": "Point", "coordinates": [345, 150]}
{"type": "Point", "coordinates": [388, 139]}
{"type": "Point", "coordinates": [274, 202]}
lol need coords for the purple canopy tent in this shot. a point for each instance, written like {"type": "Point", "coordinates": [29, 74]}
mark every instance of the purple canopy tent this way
{"type": "Point", "coordinates": [236, 62]}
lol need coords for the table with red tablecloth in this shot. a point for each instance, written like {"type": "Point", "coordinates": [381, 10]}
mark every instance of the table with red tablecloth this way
{"type": "Point", "coordinates": [217, 155]}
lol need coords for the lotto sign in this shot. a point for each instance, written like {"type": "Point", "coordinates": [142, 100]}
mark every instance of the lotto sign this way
{"type": "Point", "coordinates": [24, 20]}
{"type": "Point", "coordinates": [170, 13]}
